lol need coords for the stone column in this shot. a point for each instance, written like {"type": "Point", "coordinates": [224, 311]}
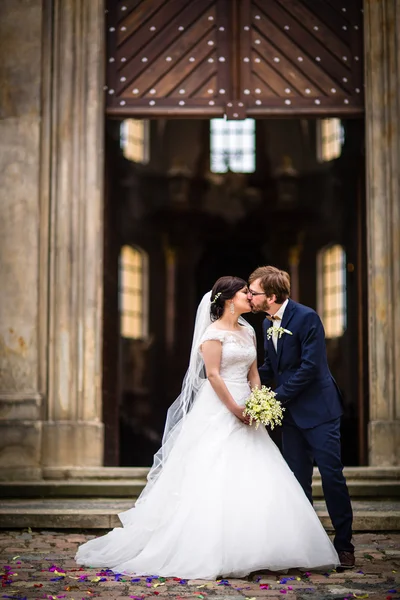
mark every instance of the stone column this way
{"type": "Point", "coordinates": [73, 145]}
{"type": "Point", "coordinates": [21, 384]}
{"type": "Point", "coordinates": [382, 69]}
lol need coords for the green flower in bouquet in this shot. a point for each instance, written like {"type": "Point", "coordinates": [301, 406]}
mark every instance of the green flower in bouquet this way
{"type": "Point", "coordinates": [263, 408]}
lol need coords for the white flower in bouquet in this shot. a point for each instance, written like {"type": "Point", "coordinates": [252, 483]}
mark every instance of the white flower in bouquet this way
{"type": "Point", "coordinates": [263, 408]}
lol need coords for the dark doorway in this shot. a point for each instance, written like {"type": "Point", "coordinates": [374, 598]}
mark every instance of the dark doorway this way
{"type": "Point", "coordinates": [187, 225]}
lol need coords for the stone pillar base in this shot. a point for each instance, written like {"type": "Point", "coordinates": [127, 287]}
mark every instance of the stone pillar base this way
{"type": "Point", "coordinates": [72, 444]}
{"type": "Point", "coordinates": [26, 474]}
{"type": "Point", "coordinates": [20, 450]}
{"type": "Point", "coordinates": [384, 443]}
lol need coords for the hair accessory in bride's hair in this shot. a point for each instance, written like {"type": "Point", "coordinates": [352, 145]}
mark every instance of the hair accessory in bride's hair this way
{"type": "Point", "coordinates": [216, 297]}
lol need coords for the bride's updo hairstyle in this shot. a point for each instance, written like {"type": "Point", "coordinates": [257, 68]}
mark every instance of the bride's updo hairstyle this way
{"type": "Point", "coordinates": [224, 289]}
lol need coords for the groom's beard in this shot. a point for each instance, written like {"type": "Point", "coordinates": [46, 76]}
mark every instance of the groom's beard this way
{"type": "Point", "coordinates": [260, 308]}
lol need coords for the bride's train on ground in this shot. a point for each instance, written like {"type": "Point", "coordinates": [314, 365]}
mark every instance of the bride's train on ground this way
{"type": "Point", "coordinates": [225, 503]}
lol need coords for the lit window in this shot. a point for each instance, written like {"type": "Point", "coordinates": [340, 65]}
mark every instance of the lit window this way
{"type": "Point", "coordinates": [233, 146]}
{"type": "Point", "coordinates": [332, 290]}
{"type": "Point", "coordinates": [330, 138]}
{"type": "Point", "coordinates": [133, 287]}
{"type": "Point", "coordinates": [134, 140]}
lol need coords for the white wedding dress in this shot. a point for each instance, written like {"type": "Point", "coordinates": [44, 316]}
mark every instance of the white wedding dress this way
{"type": "Point", "coordinates": [225, 504]}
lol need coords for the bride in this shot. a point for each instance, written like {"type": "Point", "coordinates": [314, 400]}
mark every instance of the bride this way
{"type": "Point", "coordinates": [220, 499]}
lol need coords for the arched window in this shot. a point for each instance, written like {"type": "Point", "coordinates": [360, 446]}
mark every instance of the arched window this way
{"type": "Point", "coordinates": [332, 290]}
{"type": "Point", "coordinates": [133, 292]}
{"type": "Point", "coordinates": [233, 146]}
{"type": "Point", "coordinates": [135, 140]}
{"type": "Point", "coordinates": [330, 139]}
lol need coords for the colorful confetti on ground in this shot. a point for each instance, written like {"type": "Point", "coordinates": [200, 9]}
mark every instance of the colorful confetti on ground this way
{"type": "Point", "coordinates": [39, 565]}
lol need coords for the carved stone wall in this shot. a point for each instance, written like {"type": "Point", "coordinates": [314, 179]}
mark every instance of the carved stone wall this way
{"type": "Point", "coordinates": [21, 381]}
{"type": "Point", "coordinates": [51, 173]}
{"type": "Point", "coordinates": [382, 47]}
{"type": "Point", "coordinates": [73, 431]}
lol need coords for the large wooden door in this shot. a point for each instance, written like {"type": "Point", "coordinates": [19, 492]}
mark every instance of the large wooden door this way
{"type": "Point", "coordinates": [235, 57]}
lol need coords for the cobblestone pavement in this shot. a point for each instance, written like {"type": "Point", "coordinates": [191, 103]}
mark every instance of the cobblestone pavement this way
{"type": "Point", "coordinates": [39, 565]}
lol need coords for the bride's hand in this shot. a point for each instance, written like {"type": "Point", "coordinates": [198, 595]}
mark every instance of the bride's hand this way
{"type": "Point", "coordinates": [238, 412]}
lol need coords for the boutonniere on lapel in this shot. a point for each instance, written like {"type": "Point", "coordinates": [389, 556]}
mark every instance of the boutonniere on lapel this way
{"type": "Point", "coordinates": [279, 331]}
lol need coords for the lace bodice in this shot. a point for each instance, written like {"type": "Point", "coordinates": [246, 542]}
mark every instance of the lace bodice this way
{"type": "Point", "coordinates": [238, 351]}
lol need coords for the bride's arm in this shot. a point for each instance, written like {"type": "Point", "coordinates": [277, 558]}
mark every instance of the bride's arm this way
{"type": "Point", "coordinates": [254, 376]}
{"type": "Point", "coordinates": [212, 352]}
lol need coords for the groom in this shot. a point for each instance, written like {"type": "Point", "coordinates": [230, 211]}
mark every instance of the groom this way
{"type": "Point", "coordinates": [295, 356]}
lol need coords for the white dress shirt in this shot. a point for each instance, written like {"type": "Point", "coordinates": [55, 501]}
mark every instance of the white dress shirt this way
{"type": "Point", "coordinates": [278, 323]}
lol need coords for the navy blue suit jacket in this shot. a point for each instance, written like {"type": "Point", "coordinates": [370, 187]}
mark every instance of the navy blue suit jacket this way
{"type": "Point", "coordinates": [305, 385]}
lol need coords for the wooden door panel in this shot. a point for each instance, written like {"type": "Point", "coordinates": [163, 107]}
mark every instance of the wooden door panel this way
{"type": "Point", "coordinates": [265, 59]}
{"type": "Point", "coordinates": [152, 59]}
{"type": "Point", "coordinates": [309, 52]}
{"type": "Point", "coordinates": [207, 88]}
{"type": "Point", "coordinates": [166, 56]}
{"type": "Point", "coordinates": [133, 34]}
{"type": "Point", "coordinates": [299, 12]}
{"type": "Point", "coordinates": [184, 70]}
{"type": "Point", "coordinates": [303, 41]}
{"type": "Point", "coordinates": [268, 82]}
{"type": "Point", "coordinates": [207, 57]}
{"type": "Point", "coordinates": [309, 67]}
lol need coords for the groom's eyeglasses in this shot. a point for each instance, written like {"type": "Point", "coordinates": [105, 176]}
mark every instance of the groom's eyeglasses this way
{"type": "Point", "coordinates": [256, 293]}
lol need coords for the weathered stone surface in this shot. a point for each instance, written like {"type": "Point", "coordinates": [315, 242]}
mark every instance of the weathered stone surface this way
{"type": "Point", "coordinates": [20, 51]}
{"type": "Point", "coordinates": [20, 90]}
{"type": "Point", "coordinates": [51, 178]}
{"type": "Point", "coordinates": [20, 77]}
{"type": "Point", "coordinates": [72, 443]}
{"type": "Point", "coordinates": [384, 438]}
{"type": "Point", "coordinates": [20, 447]}
{"type": "Point", "coordinates": [14, 407]}
{"type": "Point", "coordinates": [73, 435]}
{"type": "Point", "coordinates": [382, 84]}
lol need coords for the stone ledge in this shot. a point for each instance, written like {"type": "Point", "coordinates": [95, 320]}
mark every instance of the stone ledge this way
{"type": "Point", "coordinates": [103, 514]}
{"type": "Point", "coordinates": [128, 481]}
{"type": "Point", "coordinates": [87, 474]}
{"type": "Point", "coordinates": [131, 488]}
{"type": "Point", "coordinates": [72, 489]}
{"type": "Point", "coordinates": [73, 472]}
{"type": "Point", "coordinates": [98, 473]}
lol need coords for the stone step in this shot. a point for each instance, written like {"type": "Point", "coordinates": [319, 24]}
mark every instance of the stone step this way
{"type": "Point", "coordinates": [73, 489]}
{"type": "Point", "coordinates": [131, 488]}
{"type": "Point", "coordinates": [69, 513]}
{"type": "Point", "coordinates": [113, 473]}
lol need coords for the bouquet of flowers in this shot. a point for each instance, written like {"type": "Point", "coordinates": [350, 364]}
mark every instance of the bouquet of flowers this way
{"type": "Point", "coordinates": [262, 407]}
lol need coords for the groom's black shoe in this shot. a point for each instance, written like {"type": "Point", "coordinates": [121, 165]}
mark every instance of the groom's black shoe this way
{"type": "Point", "coordinates": [347, 560]}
